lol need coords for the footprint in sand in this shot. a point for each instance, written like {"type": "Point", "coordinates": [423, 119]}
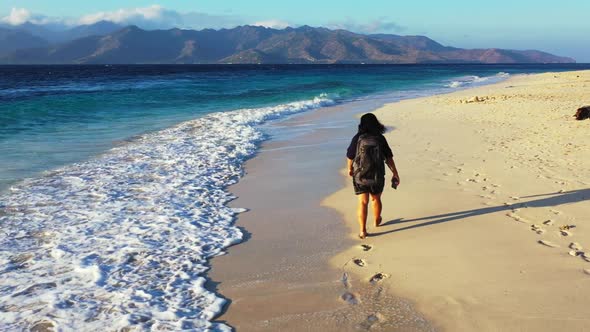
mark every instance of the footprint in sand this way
{"type": "Point", "coordinates": [349, 298]}
{"type": "Point", "coordinates": [378, 277]}
{"type": "Point", "coordinates": [575, 246]}
{"type": "Point", "coordinates": [359, 262]}
{"type": "Point", "coordinates": [586, 256]}
{"type": "Point", "coordinates": [548, 222]}
{"type": "Point", "coordinates": [370, 321]}
{"type": "Point", "coordinates": [548, 244]}
{"type": "Point", "coordinates": [587, 271]}
{"type": "Point", "coordinates": [555, 212]}
{"type": "Point", "coordinates": [575, 253]}
{"type": "Point", "coordinates": [564, 230]}
{"type": "Point", "coordinates": [366, 247]}
{"type": "Point", "coordinates": [345, 280]}
{"type": "Point", "coordinates": [517, 217]}
{"type": "Point", "coordinates": [537, 229]}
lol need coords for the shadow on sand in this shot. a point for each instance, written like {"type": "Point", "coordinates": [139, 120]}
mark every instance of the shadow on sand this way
{"type": "Point", "coordinates": [543, 200]}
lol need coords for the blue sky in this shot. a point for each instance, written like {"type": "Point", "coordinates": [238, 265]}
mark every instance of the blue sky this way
{"type": "Point", "coordinates": [560, 27]}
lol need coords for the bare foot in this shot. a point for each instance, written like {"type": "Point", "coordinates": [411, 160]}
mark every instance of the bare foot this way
{"type": "Point", "coordinates": [378, 222]}
{"type": "Point", "coordinates": [363, 235]}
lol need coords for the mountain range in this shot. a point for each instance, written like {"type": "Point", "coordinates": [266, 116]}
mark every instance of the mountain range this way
{"type": "Point", "coordinates": [108, 43]}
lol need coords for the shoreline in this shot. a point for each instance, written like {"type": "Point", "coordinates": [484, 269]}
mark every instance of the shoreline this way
{"type": "Point", "coordinates": [223, 268]}
{"type": "Point", "coordinates": [473, 234]}
{"type": "Point", "coordinates": [280, 278]}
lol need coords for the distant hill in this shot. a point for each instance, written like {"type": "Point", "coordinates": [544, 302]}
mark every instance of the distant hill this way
{"type": "Point", "coordinates": [252, 44]}
{"type": "Point", "coordinates": [11, 40]}
{"type": "Point", "coordinates": [57, 33]}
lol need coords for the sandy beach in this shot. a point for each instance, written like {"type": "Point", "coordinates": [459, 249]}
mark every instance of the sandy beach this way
{"type": "Point", "coordinates": [489, 230]}
{"type": "Point", "coordinates": [280, 278]}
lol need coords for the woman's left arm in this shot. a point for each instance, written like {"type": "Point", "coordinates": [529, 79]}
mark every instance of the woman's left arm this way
{"type": "Point", "coordinates": [391, 164]}
{"type": "Point", "coordinates": [349, 165]}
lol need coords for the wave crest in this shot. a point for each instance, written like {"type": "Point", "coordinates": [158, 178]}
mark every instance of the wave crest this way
{"type": "Point", "coordinates": [124, 239]}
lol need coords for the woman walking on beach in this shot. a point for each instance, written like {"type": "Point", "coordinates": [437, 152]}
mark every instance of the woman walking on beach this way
{"type": "Point", "coordinates": [367, 154]}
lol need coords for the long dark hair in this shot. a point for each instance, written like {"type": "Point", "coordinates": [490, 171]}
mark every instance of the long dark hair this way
{"type": "Point", "coordinates": [370, 125]}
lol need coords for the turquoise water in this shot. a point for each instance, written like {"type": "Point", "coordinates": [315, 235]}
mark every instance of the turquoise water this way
{"type": "Point", "coordinates": [56, 115]}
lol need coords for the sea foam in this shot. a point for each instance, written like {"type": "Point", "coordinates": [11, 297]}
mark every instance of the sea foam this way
{"type": "Point", "coordinates": [471, 80]}
{"type": "Point", "coordinates": [124, 239]}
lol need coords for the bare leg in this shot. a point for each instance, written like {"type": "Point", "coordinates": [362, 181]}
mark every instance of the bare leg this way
{"type": "Point", "coordinates": [377, 207]}
{"type": "Point", "coordinates": [362, 213]}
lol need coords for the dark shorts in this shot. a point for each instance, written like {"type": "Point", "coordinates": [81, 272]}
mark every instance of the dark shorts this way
{"type": "Point", "coordinates": [373, 189]}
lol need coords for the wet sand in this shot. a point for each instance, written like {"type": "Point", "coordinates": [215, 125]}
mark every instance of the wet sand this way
{"type": "Point", "coordinates": [280, 278]}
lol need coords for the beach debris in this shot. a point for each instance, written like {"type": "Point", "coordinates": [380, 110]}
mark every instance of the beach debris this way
{"type": "Point", "coordinates": [349, 298]}
{"type": "Point", "coordinates": [366, 247]}
{"type": "Point", "coordinates": [475, 99]}
{"type": "Point", "coordinates": [359, 262]}
{"type": "Point", "coordinates": [548, 244]}
{"type": "Point", "coordinates": [583, 113]}
{"type": "Point", "coordinates": [377, 277]}
{"type": "Point", "coordinates": [566, 227]}
{"type": "Point", "coordinates": [575, 246]}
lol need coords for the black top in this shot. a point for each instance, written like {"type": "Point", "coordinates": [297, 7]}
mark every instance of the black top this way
{"type": "Point", "coordinates": [351, 152]}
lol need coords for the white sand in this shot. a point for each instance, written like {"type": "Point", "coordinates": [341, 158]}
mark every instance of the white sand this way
{"type": "Point", "coordinates": [477, 233]}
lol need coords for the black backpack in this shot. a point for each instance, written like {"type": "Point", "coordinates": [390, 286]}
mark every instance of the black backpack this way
{"type": "Point", "coordinates": [368, 164]}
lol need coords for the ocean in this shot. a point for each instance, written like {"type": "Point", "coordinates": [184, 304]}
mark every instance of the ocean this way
{"type": "Point", "coordinates": [113, 179]}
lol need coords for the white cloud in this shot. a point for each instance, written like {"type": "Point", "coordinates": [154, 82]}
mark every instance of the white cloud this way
{"type": "Point", "coordinates": [381, 24]}
{"type": "Point", "coordinates": [20, 16]}
{"type": "Point", "coordinates": [158, 17]}
{"type": "Point", "coordinates": [152, 15]}
{"type": "Point", "coordinates": [17, 16]}
{"type": "Point", "coordinates": [275, 24]}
